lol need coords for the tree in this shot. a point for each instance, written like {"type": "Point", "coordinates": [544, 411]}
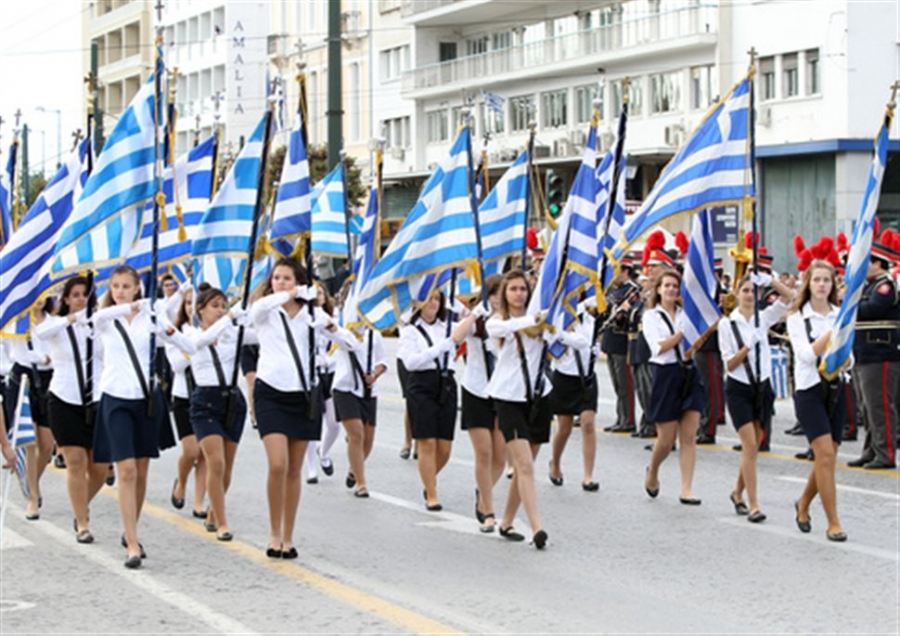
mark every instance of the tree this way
{"type": "Point", "coordinates": [36, 184]}
{"type": "Point", "coordinates": [318, 168]}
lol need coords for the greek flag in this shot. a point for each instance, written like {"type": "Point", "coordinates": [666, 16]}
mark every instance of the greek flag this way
{"type": "Point", "coordinates": [329, 215]}
{"type": "Point", "coordinates": [616, 216]}
{"type": "Point", "coordinates": [193, 174]}
{"type": "Point", "coordinates": [437, 235]}
{"type": "Point", "coordinates": [572, 260]}
{"type": "Point", "coordinates": [493, 102]}
{"type": "Point", "coordinates": [7, 182]}
{"type": "Point", "coordinates": [840, 346]}
{"type": "Point", "coordinates": [363, 260]}
{"type": "Point", "coordinates": [107, 218]}
{"type": "Point", "coordinates": [698, 288]}
{"type": "Point", "coordinates": [708, 171]}
{"type": "Point", "coordinates": [25, 260]}
{"type": "Point", "coordinates": [222, 238]}
{"type": "Point", "coordinates": [21, 433]}
{"type": "Point", "coordinates": [501, 217]}
{"type": "Point", "coordinates": [291, 219]}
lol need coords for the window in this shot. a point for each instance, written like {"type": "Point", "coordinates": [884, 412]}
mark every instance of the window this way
{"type": "Point", "coordinates": [396, 132]}
{"type": "Point", "coordinates": [500, 41]}
{"type": "Point", "coordinates": [635, 97]}
{"type": "Point", "coordinates": [790, 75]}
{"type": "Point", "coordinates": [665, 91]}
{"type": "Point", "coordinates": [767, 78]}
{"type": "Point", "coordinates": [438, 126]}
{"type": "Point", "coordinates": [354, 114]}
{"type": "Point", "coordinates": [554, 109]}
{"type": "Point", "coordinates": [812, 72]}
{"type": "Point", "coordinates": [490, 120]}
{"type": "Point", "coordinates": [584, 103]}
{"type": "Point", "coordinates": [703, 87]}
{"type": "Point", "coordinates": [521, 112]}
{"type": "Point", "coordinates": [393, 62]}
{"type": "Point", "coordinates": [477, 46]}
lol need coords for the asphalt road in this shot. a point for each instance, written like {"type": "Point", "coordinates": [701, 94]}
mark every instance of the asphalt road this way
{"type": "Point", "coordinates": [616, 560]}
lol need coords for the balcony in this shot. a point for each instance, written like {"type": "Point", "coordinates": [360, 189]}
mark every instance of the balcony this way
{"type": "Point", "coordinates": [661, 34]}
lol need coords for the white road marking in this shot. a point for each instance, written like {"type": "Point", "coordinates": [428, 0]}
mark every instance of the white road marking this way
{"type": "Point", "coordinates": [14, 606]}
{"type": "Point", "coordinates": [13, 540]}
{"type": "Point", "coordinates": [819, 539]}
{"type": "Point", "coordinates": [219, 622]}
{"type": "Point", "coordinates": [861, 491]}
{"type": "Point", "coordinates": [444, 520]}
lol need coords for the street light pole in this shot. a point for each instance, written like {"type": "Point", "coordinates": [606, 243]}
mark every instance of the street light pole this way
{"type": "Point", "coordinates": [58, 114]}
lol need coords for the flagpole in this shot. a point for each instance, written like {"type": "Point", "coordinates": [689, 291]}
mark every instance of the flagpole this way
{"type": "Point", "coordinates": [89, 312]}
{"type": "Point", "coordinates": [347, 214]}
{"type": "Point", "coordinates": [532, 129]}
{"type": "Point", "coordinates": [750, 199]}
{"type": "Point", "coordinates": [473, 202]}
{"type": "Point", "coordinates": [23, 381]}
{"type": "Point", "coordinates": [308, 255]}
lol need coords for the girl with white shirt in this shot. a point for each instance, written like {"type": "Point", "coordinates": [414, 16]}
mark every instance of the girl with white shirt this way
{"type": "Point", "coordinates": [360, 359]}
{"type": "Point", "coordinates": [126, 433]}
{"type": "Point", "coordinates": [479, 417]}
{"type": "Point", "coordinates": [748, 390]}
{"type": "Point", "coordinates": [820, 405]}
{"type": "Point", "coordinates": [283, 392]}
{"type": "Point", "coordinates": [676, 396]}
{"type": "Point", "coordinates": [521, 396]}
{"type": "Point", "coordinates": [318, 452]}
{"type": "Point", "coordinates": [575, 393]}
{"type": "Point", "coordinates": [31, 357]}
{"type": "Point", "coordinates": [183, 384]}
{"type": "Point", "coordinates": [427, 353]}
{"type": "Point", "coordinates": [71, 402]}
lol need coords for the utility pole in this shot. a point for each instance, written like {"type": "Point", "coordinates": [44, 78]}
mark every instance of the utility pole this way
{"type": "Point", "coordinates": [335, 109]}
{"type": "Point", "coordinates": [99, 138]}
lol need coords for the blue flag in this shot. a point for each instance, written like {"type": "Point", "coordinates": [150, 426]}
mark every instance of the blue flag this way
{"type": "Point", "coordinates": [699, 285]}
{"type": "Point", "coordinates": [291, 219]}
{"type": "Point", "coordinates": [329, 215]}
{"type": "Point", "coordinates": [21, 433]}
{"type": "Point", "coordinates": [363, 261]}
{"type": "Point", "coordinates": [7, 183]}
{"type": "Point", "coordinates": [501, 217]}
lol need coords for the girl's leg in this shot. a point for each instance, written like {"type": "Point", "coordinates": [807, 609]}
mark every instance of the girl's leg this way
{"type": "Point", "coordinates": [665, 437]}
{"type": "Point", "coordinates": [213, 447]}
{"type": "Point", "coordinates": [442, 456]}
{"type": "Point", "coordinates": [296, 454]}
{"type": "Point", "coordinates": [331, 433]}
{"type": "Point", "coordinates": [588, 444]}
{"type": "Point", "coordinates": [825, 449]}
{"type": "Point", "coordinates": [276, 445]}
{"type": "Point", "coordinates": [127, 477]}
{"type": "Point", "coordinates": [190, 453]}
{"type": "Point", "coordinates": [687, 451]}
{"type": "Point", "coordinates": [77, 482]}
{"type": "Point", "coordinates": [356, 451]}
{"type": "Point", "coordinates": [563, 430]}
{"type": "Point", "coordinates": [427, 464]}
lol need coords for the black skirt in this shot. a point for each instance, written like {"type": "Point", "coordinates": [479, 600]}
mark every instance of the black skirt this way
{"type": "Point", "coordinates": [520, 420]}
{"type": "Point", "coordinates": [209, 410]}
{"type": "Point", "coordinates": [572, 395]}
{"type": "Point", "coordinates": [477, 412]}
{"type": "Point", "coordinates": [348, 406]}
{"type": "Point", "coordinates": [431, 404]}
{"type": "Point", "coordinates": [124, 429]}
{"type": "Point", "coordinates": [72, 424]}
{"type": "Point", "coordinates": [181, 411]}
{"type": "Point", "coordinates": [745, 405]}
{"type": "Point", "coordinates": [285, 412]}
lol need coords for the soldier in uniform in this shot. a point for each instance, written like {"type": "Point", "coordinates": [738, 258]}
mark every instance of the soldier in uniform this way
{"type": "Point", "coordinates": [708, 359]}
{"type": "Point", "coordinates": [639, 358]}
{"type": "Point", "coordinates": [614, 344]}
{"type": "Point", "coordinates": [876, 350]}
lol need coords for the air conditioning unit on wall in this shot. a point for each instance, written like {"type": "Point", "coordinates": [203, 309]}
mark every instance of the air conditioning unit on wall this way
{"type": "Point", "coordinates": [562, 148]}
{"type": "Point", "coordinates": [398, 153]}
{"type": "Point", "coordinates": [673, 135]}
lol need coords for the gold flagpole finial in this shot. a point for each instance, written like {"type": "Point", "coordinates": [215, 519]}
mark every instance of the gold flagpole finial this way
{"type": "Point", "coordinates": [893, 103]}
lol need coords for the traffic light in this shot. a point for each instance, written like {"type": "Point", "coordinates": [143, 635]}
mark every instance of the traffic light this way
{"type": "Point", "coordinates": [556, 195]}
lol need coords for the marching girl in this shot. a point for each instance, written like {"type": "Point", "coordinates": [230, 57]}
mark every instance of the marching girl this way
{"type": "Point", "coordinates": [126, 432]}
{"type": "Point", "coordinates": [521, 397]}
{"type": "Point", "coordinates": [317, 452]}
{"type": "Point", "coordinates": [820, 405]}
{"type": "Point", "coordinates": [183, 385]}
{"type": "Point", "coordinates": [360, 360]}
{"type": "Point", "coordinates": [70, 404]}
{"type": "Point", "coordinates": [217, 412]}
{"type": "Point", "coordinates": [426, 352]}
{"type": "Point", "coordinates": [283, 393]}
{"type": "Point", "coordinates": [31, 357]}
{"type": "Point", "coordinates": [575, 393]}
{"type": "Point", "coordinates": [479, 418]}
{"type": "Point", "coordinates": [676, 395]}
{"type": "Point", "coordinates": [750, 398]}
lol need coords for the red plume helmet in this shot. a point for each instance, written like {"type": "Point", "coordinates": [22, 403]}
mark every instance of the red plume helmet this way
{"type": "Point", "coordinates": [681, 240]}
{"type": "Point", "coordinates": [806, 259]}
{"type": "Point", "coordinates": [799, 245]}
{"type": "Point", "coordinates": [656, 241]}
{"type": "Point", "coordinates": [842, 243]}
{"type": "Point", "coordinates": [531, 238]}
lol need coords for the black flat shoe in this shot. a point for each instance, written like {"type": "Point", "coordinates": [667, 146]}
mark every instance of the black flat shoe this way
{"type": "Point", "coordinates": [653, 492]}
{"type": "Point", "coordinates": [350, 481]}
{"type": "Point", "coordinates": [486, 527]}
{"type": "Point", "coordinates": [840, 537]}
{"type": "Point", "coordinates": [362, 493]}
{"type": "Point", "coordinates": [756, 517]}
{"type": "Point", "coordinates": [804, 526]}
{"type": "Point", "coordinates": [273, 553]}
{"type": "Point", "coordinates": [328, 468]}
{"type": "Point", "coordinates": [478, 514]}
{"type": "Point", "coordinates": [590, 486]}
{"type": "Point", "coordinates": [84, 536]}
{"type": "Point", "coordinates": [433, 507]}
{"type": "Point", "coordinates": [540, 539]}
{"type": "Point", "coordinates": [111, 478]}
{"type": "Point", "coordinates": [133, 563]}
{"type": "Point", "coordinates": [690, 501]}
{"type": "Point", "coordinates": [312, 480]}
{"type": "Point", "coordinates": [404, 453]}
{"type": "Point", "coordinates": [290, 553]}
{"type": "Point", "coordinates": [740, 508]}
{"type": "Point", "coordinates": [225, 536]}
{"type": "Point", "coordinates": [210, 527]}
{"type": "Point", "coordinates": [511, 535]}
{"type": "Point", "coordinates": [33, 517]}
{"type": "Point", "coordinates": [200, 514]}
{"type": "Point", "coordinates": [556, 481]}
{"type": "Point", "coordinates": [143, 552]}
{"type": "Point", "coordinates": [177, 503]}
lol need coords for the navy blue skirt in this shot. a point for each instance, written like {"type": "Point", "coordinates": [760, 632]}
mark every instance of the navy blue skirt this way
{"type": "Point", "coordinates": [124, 430]}
{"type": "Point", "coordinates": [676, 389]}
{"type": "Point", "coordinates": [745, 405]}
{"type": "Point", "coordinates": [209, 408]}
{"type": "Point", "coordinates": [285, 412]}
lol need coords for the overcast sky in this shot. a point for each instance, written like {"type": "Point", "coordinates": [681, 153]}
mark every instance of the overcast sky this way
{"type": "Point", "coordinates": [40, 66]}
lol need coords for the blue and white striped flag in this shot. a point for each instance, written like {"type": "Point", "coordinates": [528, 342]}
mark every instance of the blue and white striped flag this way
{"type": "Point", "coordinates": [571, 264]}
{"type": "Point", "coordinates": [291, 218]}
{"type": "Point", "coordinates": [7, 183]}
{"type": "Point", "coordinates": [609, 236]}
{"type": "Point", "coordinates": [222, 239]}
{"type": "Point", "coordinates": [837, 355]}
{"type": "Point", "coordinates": [21, 433]}
{"type": "Point", "coordinates": [698, 288]}
{"type": "Point", "coordinates": [501, 217]}
{"type": "Point", "coordinates": [329, 215]}
{"type": "Point", "coordinates": [108, 216]}
{"type": "Point", "coordinates": [193, 172]}
{"type": "Point", "coordinates": [437, 235]}
{"type": "Point", "coordinates": [25, 260]}
{"type": "Point", "coordinates": [493, 102]}
{"type": "Point", "coordinates": [363, 261]}
{"type": "Point", "coordinates": [708, 171]}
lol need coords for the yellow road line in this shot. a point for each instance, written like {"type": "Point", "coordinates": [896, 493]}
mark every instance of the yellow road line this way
{"type": "Point", "coordinates": [407, 619]}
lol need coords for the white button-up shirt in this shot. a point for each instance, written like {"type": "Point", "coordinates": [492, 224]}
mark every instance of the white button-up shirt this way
{"type": "Point", "coordinates": [276, 366]}
{"type": "Point", "coordinates": [223, 335]}
{"type": "Point", "coordinates": [38, 355]}
{"type": "Point", "coordinates": [64, 385]}
{"type": "Point", "coordinates": [729, 348]}
{"type": "Point", "coordinates": [417, 354]}
{"type": "Point", "coordinates": [508, 381]}
{"type": "Point", "coordinates": [475, 378]}
{"type": "Point", "coordinates": [346, 377]}
{"type": "Point", "coordinates": [656, 330]}
{"type": "Point", "coordinates": [579, 339]}
{"type": "Point", "coordinates": [806, 367]}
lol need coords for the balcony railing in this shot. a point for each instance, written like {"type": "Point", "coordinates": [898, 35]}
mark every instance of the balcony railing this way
{"type": "Point", "coordinates": [411, 7]}
{"type": "Point", "coordinates": [616, 37]}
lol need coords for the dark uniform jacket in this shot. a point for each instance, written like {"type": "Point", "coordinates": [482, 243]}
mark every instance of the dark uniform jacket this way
{"type": "Point", "coordinates": [878, 322]}
{"type": "Point", "coordinates": [638, 349]}
{"type": "Point", "coordinates": [615, 336]}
